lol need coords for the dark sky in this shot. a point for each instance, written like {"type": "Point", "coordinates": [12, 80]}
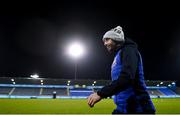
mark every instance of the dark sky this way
{"type": "Point", "coordinates": [34, 35]}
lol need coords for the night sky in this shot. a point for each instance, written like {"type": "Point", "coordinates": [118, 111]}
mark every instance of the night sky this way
{"type": "Point", "coordinates": [34, 36]}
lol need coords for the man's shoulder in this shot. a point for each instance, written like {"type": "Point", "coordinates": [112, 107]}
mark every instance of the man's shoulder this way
{"type": "Point", "coordinates": [129, 48]}
{"type": "Point", "coordinates": [129, 51]}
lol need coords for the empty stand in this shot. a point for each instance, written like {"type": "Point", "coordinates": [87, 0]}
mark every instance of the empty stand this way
{"type": "Point", "coordinates": [26, 91]}
{"type": "Point", "coordinates": [59, 91]}
{"type": "Point", "coordinates": [5, 90]}
{"type": "Point", "coordinates": [167, 91]}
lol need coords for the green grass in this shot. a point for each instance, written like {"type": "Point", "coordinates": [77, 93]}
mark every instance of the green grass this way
{"type": "Point", "coordinates": [75, 106]}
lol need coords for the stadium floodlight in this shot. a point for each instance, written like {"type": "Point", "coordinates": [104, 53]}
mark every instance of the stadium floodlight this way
{"type": "Point", "coordinates": [76, 50]}
{"type": "Point", "coordinates": [12, 79]}
{"type": "Point", "coordinates": [68, 82]}
{"type": "Point", "coordinates": [35, 76]}
{"type": "Point", "coordinates": [94, 82]}
{"type": "Point", "coordinates": [173, 83]}
{"type": "Point", "coordinates": [83, 86]}
{"type": "Point", "coordinates": [161, 83]}
{"type": "Point", "coordinates": [76, 86]}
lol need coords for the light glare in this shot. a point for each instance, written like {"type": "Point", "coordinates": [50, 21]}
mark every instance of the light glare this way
{"type": "Point", "coordinates": [76, 50]}
{"type": "Point", "coordinates": [35, 76]}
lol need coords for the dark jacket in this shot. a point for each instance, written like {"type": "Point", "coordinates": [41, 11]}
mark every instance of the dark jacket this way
{"type": "Point", "coordinates": [128, 83]}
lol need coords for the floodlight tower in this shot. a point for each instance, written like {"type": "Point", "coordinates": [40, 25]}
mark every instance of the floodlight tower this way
{"type": "Point", "coordinates": [76, 50]}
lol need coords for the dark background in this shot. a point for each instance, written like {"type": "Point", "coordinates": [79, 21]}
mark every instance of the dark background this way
{"type": "Point", "coordinates": [34, 35]}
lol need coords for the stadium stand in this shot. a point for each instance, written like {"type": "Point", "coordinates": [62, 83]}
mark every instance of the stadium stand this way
{"type": "Point", "coordinates": [59, 91]}
{"type": "Point", "coordinates": [80, 92]}
{"type": "Point", "coordinates": [66, 88]}
{"type": "Point", "coordinates": [167, 91]}
{"type": "Point", "coordinates": [26, 91]}
{"type": "Point", "coordinates": [177, 91]}
{"type": "Point", "coordinates": [5, 90]}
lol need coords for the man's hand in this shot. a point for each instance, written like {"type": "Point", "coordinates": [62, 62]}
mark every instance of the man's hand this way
{"type": "Point", "coordinates": [93, 98]}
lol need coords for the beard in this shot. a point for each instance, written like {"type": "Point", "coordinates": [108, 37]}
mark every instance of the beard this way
{"type": "Point", "coordinates": [111, 49]}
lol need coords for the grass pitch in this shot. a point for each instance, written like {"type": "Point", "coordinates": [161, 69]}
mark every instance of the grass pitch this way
{"type": "Point", "coordinates": [75, 106]}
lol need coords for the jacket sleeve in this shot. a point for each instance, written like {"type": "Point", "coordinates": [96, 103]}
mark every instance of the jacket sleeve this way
{"type": "Point", "coordinates": [129, 60]}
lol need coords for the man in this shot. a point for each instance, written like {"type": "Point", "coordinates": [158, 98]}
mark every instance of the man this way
{"type": "Point", "coordinates": [128, 85]}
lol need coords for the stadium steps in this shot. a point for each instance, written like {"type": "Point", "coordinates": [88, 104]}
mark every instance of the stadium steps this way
{"type": "Point", "coordinates": [40, 92]}
{"type": "Point", "coordinates": [68, 92]}
{"type": "Point", "coordinates": [155, 92]}
{"type": "Point", "coordinates": [12, 91]}
{"type": "Point", "coordinates": [159, 93]}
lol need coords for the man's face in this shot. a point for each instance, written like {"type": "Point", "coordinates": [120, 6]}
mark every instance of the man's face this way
{"type": "Point", "coordinates": [110, 44]}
